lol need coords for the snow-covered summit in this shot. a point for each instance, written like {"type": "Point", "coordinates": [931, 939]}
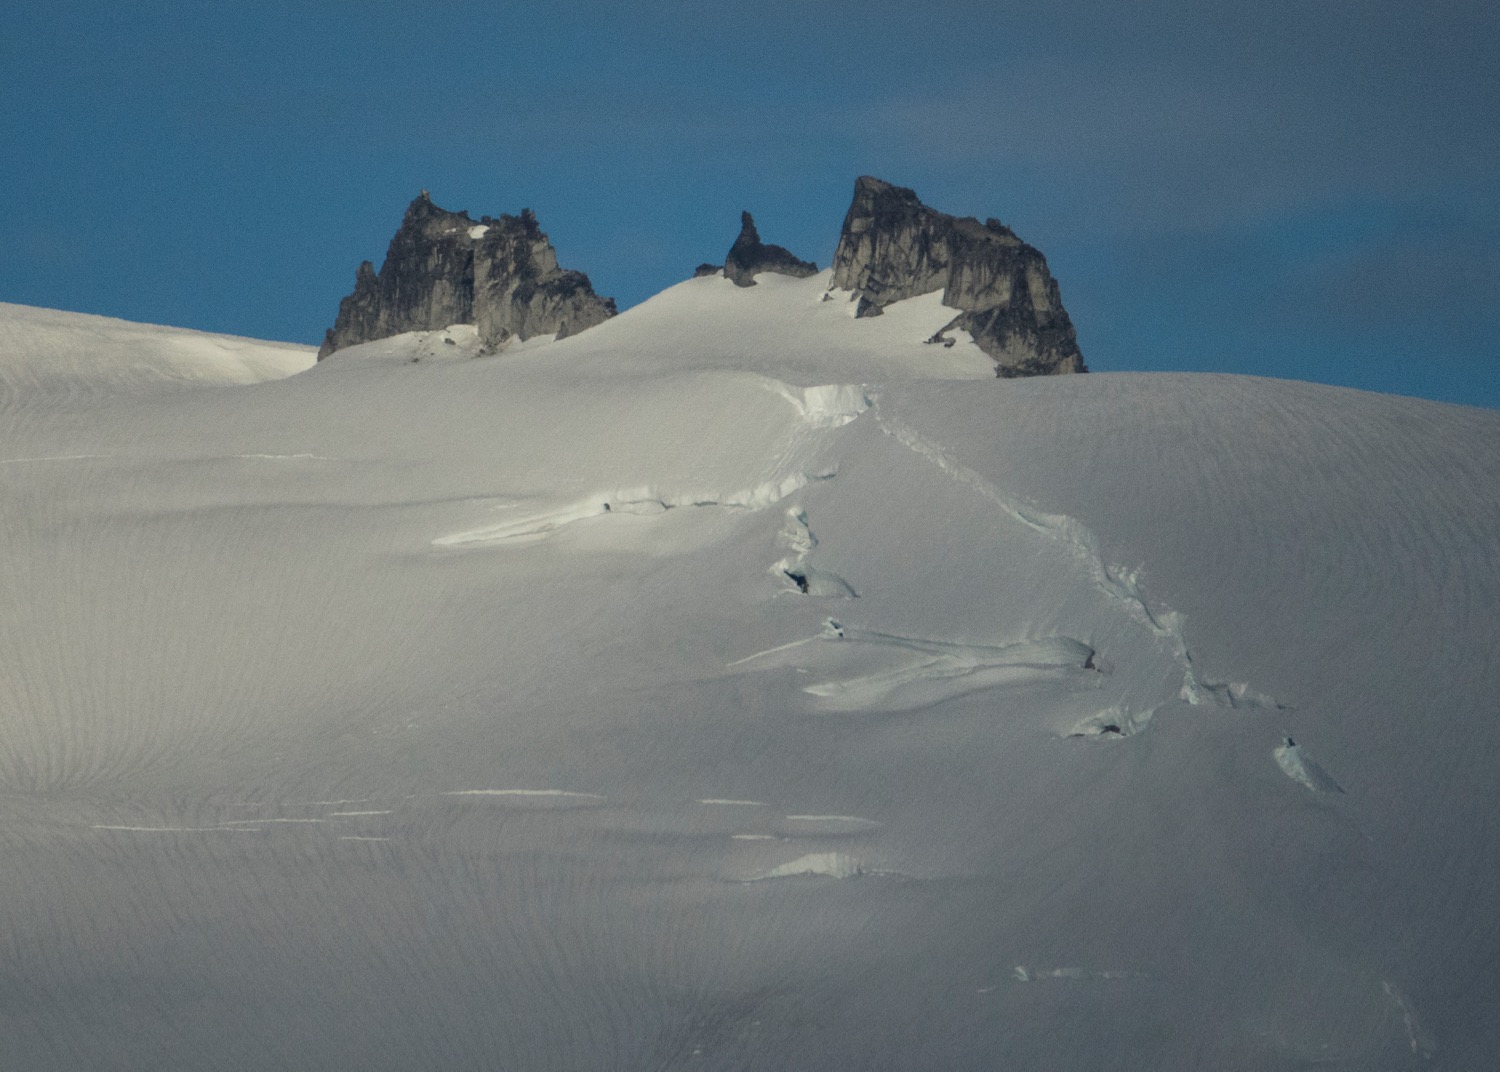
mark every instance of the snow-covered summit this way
{"type": "Point", "coordinates": [791, 328]}
{"type": "Point", "coordinates": [502, 277]}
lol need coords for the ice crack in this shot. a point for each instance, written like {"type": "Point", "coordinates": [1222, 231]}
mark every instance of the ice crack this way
{"type": "Point", "coordinates": [1120, 586]}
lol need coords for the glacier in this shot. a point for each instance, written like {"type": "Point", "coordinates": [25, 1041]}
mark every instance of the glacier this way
{"type": "Point", "coordinates": [736, 685]}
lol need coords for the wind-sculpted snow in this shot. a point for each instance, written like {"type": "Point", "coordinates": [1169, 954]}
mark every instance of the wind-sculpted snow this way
{"type": "Point", "coordinates": [672, 696]}
{"type": "Point", "coordinates": [827, 864]}
{"type": "Point", "coordinates": [534, 798]}
{"type": "Point", "coordinates": [907, 673]}
{"type": "Point", "coordinates": [641, 501]}
{"type": "Point", "coordinates": [1295, 763]}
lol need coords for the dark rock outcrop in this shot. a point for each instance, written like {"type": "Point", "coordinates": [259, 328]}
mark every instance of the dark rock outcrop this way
{"type": "Point", "coordinates": [750, 255]}
{"type": "Point", "coordinates": [894, 247]}
{"type": "Point", "coordinates": [442, 268]}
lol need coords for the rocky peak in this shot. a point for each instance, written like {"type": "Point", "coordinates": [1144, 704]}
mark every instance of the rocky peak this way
{"type": "Point", "coordinates": [894, 247]}
{"type": "Point", "coordinates": [442, 268]}
{"type": "Point", "coordinates": [749, 255]}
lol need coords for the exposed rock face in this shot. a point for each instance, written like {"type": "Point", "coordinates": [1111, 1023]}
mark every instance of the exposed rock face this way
{"type": "Point", "coordinates": [894, 247]}
{"type": "Point", "coordinates": [443, 268]}
{"type": "Point", "coordinates": [750, 255]}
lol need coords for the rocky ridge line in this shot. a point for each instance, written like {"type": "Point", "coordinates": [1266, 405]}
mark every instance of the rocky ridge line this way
{"type": "Point", "coordinates": [894, 247]}
{"type": "Point", "coordinates": [442, 268]}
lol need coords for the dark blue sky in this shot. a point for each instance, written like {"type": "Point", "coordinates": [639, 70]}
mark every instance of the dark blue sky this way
{"type": "Point", "coordinates": [1307, 189]}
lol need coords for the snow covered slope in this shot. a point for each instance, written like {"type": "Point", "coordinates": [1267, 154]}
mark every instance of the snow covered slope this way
{"type": "Point", "coordinates": [44, 348]}
{"type": "Point", "coordinates": [738, 685]}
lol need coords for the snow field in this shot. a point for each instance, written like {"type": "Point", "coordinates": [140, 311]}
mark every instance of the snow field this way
{"type": "Point", "coordinates": [342, 725]}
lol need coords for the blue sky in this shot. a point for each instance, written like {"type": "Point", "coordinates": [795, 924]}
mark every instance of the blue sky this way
{"type": "Point", "coordinates": [1306, 189]}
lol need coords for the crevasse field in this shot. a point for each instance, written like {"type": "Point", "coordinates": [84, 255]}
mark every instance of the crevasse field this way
{"type": "Point", "coordinates": [736, 686]}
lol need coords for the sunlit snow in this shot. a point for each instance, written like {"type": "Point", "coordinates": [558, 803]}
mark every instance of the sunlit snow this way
{"type": "Point", "coordinates": [736, 685]}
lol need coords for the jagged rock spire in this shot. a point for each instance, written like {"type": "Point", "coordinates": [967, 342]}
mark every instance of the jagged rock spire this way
{"type": "Point", "coordinates": [893, 247]}
{"type": "Point", "coordinates": [443, 268]}
{"type": "Point", "coordinates": [749, 255]}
